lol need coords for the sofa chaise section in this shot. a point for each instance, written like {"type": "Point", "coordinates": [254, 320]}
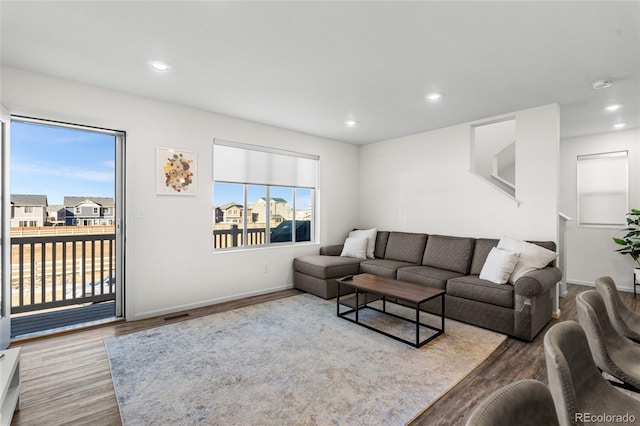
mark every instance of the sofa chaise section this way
{"type": "Point", "coordinates": [318, 274]}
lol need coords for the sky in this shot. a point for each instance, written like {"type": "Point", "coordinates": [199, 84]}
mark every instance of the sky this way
{"type": "Point", "coordinates": [59, 162]}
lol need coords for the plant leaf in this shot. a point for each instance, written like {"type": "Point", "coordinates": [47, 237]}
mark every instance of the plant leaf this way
{"type": "Point", "coordinates": [619, 241]}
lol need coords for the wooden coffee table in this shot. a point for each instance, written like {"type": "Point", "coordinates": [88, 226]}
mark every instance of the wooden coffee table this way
{"type": "Point", "coordinates": [369, 288]}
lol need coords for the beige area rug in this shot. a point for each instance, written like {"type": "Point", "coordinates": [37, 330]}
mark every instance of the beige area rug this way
{"type": "Point", "coordinates": [287, 362]}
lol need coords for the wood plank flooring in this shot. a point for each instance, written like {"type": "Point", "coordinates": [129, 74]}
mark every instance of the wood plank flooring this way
{"type": "Point", "coordinates": [66, 379]}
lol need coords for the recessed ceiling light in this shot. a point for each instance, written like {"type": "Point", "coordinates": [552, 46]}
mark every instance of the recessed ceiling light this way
{"type": "Point", "coordinates": [601, 84]}
{"type": "Point", "coordinates": [619, 125]}
{"type": "Point", "coordinates": [613, 107]}
{"type": "Point", "coordinates": [159, 66]}
{"type": "Point", "coordinates": [350, 123]}
{"type": "Point", "coordinates": [434, 96]}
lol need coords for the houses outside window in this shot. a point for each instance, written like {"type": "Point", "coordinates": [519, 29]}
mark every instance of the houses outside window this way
{"type": "Point", "coordinates": [28, 210]}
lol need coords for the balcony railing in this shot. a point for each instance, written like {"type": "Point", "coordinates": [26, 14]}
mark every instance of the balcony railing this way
{"type": "Point", "coordinates": [279, 233]}
{"type": "Point", "coordinates": [223, 238]}
{"type": "Point", "coordinates": [55, 271]}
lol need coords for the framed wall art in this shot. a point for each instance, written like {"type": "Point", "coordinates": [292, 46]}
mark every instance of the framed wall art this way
{"type": "Point", "coordinates": [176, 172]}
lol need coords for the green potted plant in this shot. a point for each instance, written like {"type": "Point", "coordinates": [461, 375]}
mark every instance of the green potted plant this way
{"type": "Point", "coordinates": [631, 242]}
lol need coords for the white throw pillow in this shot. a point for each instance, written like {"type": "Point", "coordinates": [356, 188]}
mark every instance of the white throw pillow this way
{"type": "Point", "coordinates": [355, 247]}
{"type": "Point", "coordinates": [499, 265]}
{"type": "Point", "coordinates": [370, 235]}
{"type": "Point", "coordinates": [532, 256]}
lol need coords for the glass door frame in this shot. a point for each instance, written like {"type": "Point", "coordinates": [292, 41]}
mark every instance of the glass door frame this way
{"type": "Point", "coordinates": [5, 231]}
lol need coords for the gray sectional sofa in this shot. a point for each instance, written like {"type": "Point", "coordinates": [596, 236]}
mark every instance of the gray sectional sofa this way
{"type": "Point", "coordinates": [450, 263]}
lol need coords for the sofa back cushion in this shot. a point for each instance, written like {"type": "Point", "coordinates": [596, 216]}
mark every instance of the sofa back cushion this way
{"type": "Point", "coordinates": [405, 247]}
{"type": "Point", "coordinates": [381, 244]}
{"type": "Point", "coordinates": [450, 253]}
{"type": "Point", "coordinates": [480, 252]}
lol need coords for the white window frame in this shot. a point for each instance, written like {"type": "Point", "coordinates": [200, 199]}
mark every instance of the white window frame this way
{"type": "Point", "coordinates": [265, 152]}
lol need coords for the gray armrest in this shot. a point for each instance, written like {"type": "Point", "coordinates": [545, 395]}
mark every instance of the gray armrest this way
{"type": "Point", "coordinates": [333, 250]}
{"type": "Point", "coordinates": [537, 282]}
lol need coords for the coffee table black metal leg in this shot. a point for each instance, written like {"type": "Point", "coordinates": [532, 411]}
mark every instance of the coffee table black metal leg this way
{"type": "Point", "coordinates": [357, 303]}
{"type": "Point", "coordinates": [442, 316]}
{"type": "Point", "coordinates": [417, 324]}
{"type": "Point", "coordinates": [338, 300]}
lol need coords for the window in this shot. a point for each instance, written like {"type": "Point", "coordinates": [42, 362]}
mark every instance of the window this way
{"type": "Point", "coordinates": [28, 209]}
{"type": "Point", "coordinates": [262, 196]}
{"type": "Point", "coordinates": [603, 189]}
{"type": "Point", "coordinates": [96, 210]}
{"type": "Point", "coordinates": [78, 210]}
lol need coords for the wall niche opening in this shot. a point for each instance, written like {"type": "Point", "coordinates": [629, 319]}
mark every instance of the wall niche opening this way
{"type": "Point", "coordinates": [493, 153]}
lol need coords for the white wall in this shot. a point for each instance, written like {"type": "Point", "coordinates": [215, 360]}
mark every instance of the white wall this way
{"type": "Point", "coordinates": [591, 251]}
{"type": "Point", "coordinates": [169, 260]}
{"type": "Point", "coordinates": [422, 183]}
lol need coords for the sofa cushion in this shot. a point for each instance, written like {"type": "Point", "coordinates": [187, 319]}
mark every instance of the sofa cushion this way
{"type": "Point", "coordinates": [549, 245]}
{"type": "Point", "coordinates": [355, 247]}
{"type": "Point", "coordinates": [405, 247]}
{"type": "Point", "coordinates": [324, 267]}
{"type": "Point", "coordinates": [427, 275]}
{"type": "Point", "coordinates": [481, 250]}
{"type": "Point", "coordinates": [381, 244]}
{"type": "Point", "coordinates": [450, 253]}
{"type": "Point", "coordinates": [370, 235]}
{"type": "Point", "coordinates": [499, 266]}
{"type": "Point", "coordinates": [383, 267]}
{"type": "Point", "coordinates": [473, 288]}
{"type": "Point", "coordinates": [532, 256]}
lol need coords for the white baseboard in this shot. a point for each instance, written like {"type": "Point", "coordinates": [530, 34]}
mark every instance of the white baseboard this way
{"type": "Point", "coordinates": [591, 284]}
{"type": "Point", "coordinates": [209, 302]}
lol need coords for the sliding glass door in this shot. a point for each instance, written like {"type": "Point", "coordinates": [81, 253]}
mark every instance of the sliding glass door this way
{"type": "Point", "coordinates": [66, 225]}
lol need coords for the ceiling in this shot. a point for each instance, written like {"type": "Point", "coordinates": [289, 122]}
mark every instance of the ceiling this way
{"type": "Point", "coordinates": [309, 66]}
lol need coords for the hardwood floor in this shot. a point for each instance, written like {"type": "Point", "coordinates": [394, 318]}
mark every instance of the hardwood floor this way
{"type": "Point", "coordinates": [66, 379]}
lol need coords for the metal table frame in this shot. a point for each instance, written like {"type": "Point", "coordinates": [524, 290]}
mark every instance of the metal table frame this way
{"type": "Point", "coordinates": [357, 306]}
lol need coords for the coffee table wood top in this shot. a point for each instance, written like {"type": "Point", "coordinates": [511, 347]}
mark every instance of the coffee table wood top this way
{"type": "Point", "coordinates": [404, 290]}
